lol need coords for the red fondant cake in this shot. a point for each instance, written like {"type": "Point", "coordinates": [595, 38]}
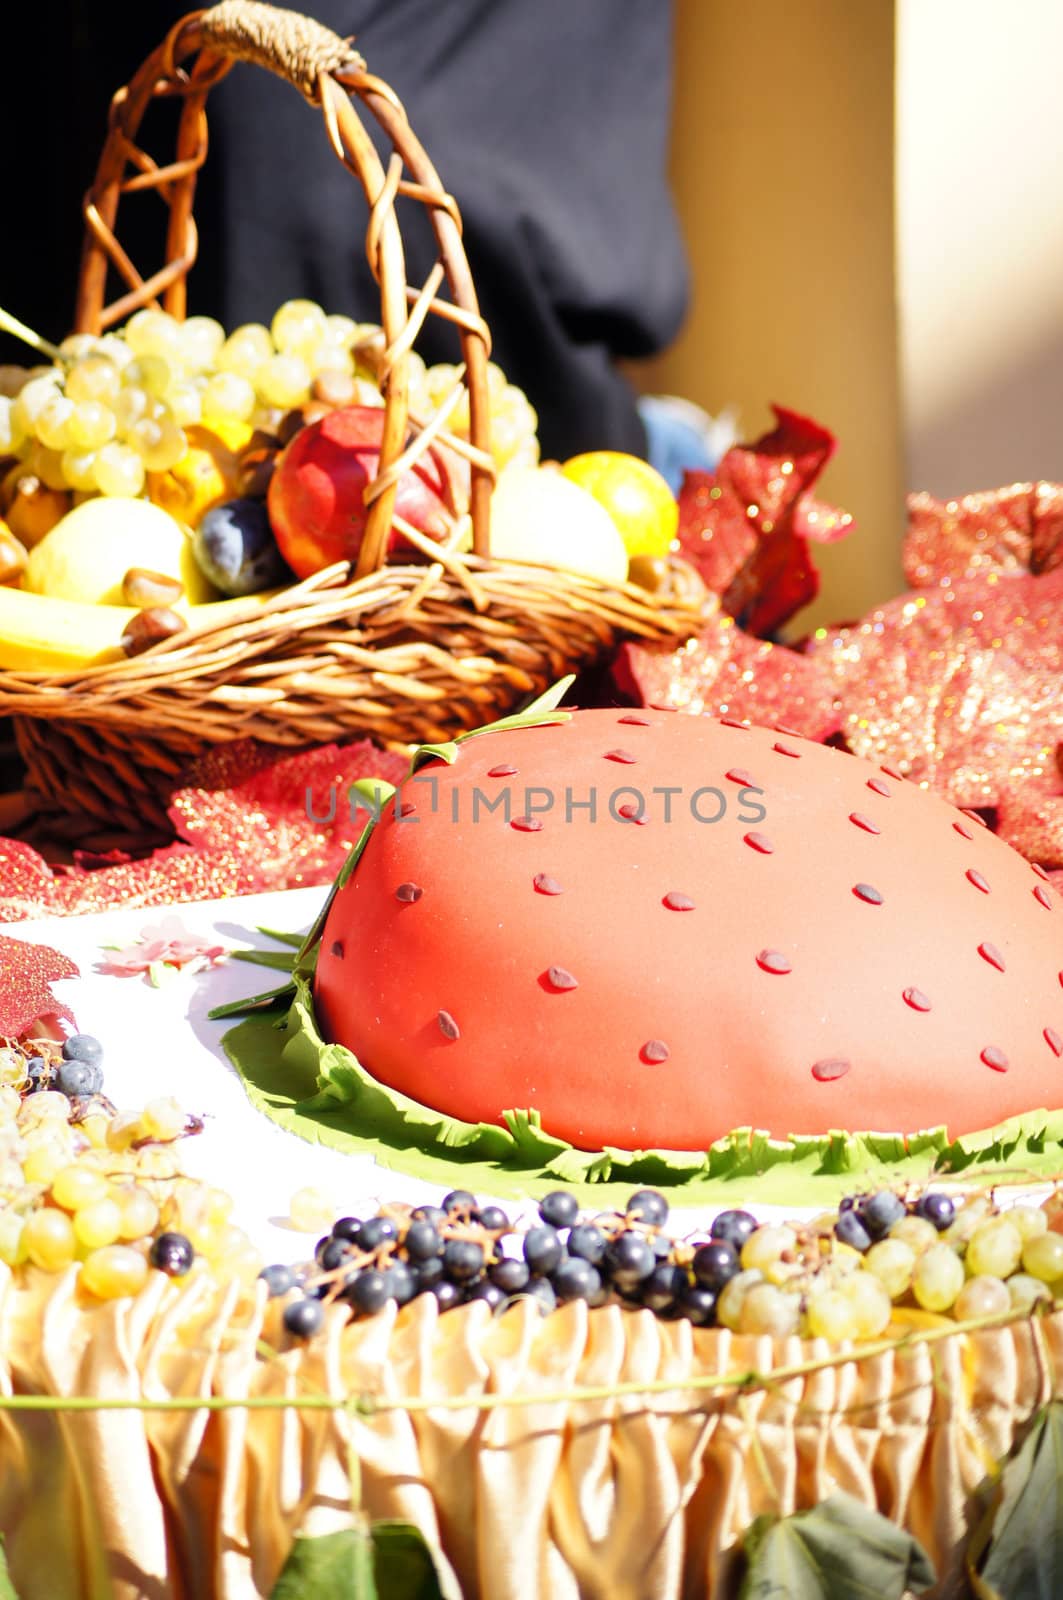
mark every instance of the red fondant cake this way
{"type": "Point", "coordinates": [653, 929]}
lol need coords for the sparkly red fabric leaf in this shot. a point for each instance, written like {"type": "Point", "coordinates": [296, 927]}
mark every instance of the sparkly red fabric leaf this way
{"type": "Point", "coordinates": [726, 672]}
{"type": "Point", "coordinates": [747, 526]}
{"type": "Point", "coordinates": [960, 687]}
{"type": "Point", "coordinates": [26, 973]}
{"type": "Point", "coordinates": [1012, 531]}
{"type": "Point", "coordinates": [247, 821]}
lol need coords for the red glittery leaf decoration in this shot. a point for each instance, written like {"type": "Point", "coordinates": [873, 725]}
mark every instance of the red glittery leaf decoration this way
{"type": "Point", "coordinates": [960, 687]}
{"type": "Point", "coordinates": [243, 828]}
{"type": "Point", "coordinates": [26, 971]}
{"type": "Point", "coordinates": [726, 672]}
{"type": "Point", "coordinates": [747, 526]}
{"type": "Point", "coordinates": [1013, 531]}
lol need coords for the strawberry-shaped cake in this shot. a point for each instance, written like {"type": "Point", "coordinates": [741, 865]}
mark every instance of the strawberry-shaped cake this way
{"type": "Point", "coordinates": [653, 929]}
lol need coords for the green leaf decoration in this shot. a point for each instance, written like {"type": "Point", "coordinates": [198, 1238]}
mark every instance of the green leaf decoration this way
{"type": "Point", "coordinates": [317, 927]}
{"type": "Point", "coordinates": [280, 960]}
{"type": "Point", "coordinates": [7, 1588]}
{"type": "Point", "coordinates": [269, 1000]}
{"type": "Point", "coordinates": [294, 940]}
{"type": "Point", "coordinates": [840, 1550]}
{"type": "Point", "coordinates": [375, 792]}
{"type": "Point", "coordinates": [1023, 1528]}
{"type": "Point", "coordinates": [388, 1561]}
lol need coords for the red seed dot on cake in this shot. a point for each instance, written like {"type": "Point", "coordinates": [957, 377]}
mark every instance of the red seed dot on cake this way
{"type": "Point", "coordinates": [774, 961]}
{"type": "Point", "coordinates": [527, 824]}
{"type": "Point", "coordinates": [624, 757]}
{"type": "Point", "coordinates": [447, 1026]}
{"type": "Point", "coordinates": [502, 771]}
{"type": "Point", "coordinates": [863, 822]}
{"type": "Point", "coordinates": [868, 893]}
{"type": "Point", "coordinates": [995, 1058]}
{"type": "Point", "coordinates": [879, 786]}
{"type": "Point", "coordinates": [740, 775]}
{"type": "Point", "coordinates": [560, 978]}
{"type": "Point", "coordinates": [654, 1051]}
{"type": "Point", "coordinates": [759, 842]}
{"type": "Point", "coordinates": [337, 949]}
{"type": "Point", "coordinates": [676, 901]}
{"type": "Point", "coordinates": [965, 833]}
{"type": "Point", "coordinates": [1040, 871]}
{"type": "Point", "coordinates": [785, 749]}
{"type": "Point", "coordinates": [1054, 1041]}
{"type": "Point", "coordinates": [630, 812]}
{"type": "Point", "coordinates": [916, 999]}
{"type": "Point", "coordinates": [734, 722]}
{"type": "Point", "coordinates": [990, 953]}
{"type": "Point", "coordinates": [544, 884]}
{"type": "Point", "coordinates": [1043, 896]}
{"type": "Point", "coordinates": [408, 893]}
{"type": "Point", "coordinates": [827, 1071]}
{"type": "Point", "coordinates": [978, 879]}
{"type": "Point", "coordinates": [633, 721]}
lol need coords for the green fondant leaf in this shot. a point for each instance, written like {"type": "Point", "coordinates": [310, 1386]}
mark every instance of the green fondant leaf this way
{"type": "Point", "coordinates": [270, 999]}
{"type": "Point", "coordinates": [424, 753]}
{"type": "Point", "coordinates": [295, 940]}
{"type": "Point", "coordinates": [280, 960]}
{"type": "Point", "coordinates": [373, 792]}
{"type": "Point", "coordinates": [840, 1550]}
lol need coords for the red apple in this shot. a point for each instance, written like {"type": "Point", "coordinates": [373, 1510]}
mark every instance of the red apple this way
{"type": "Point", "coordinates": [317, 492]}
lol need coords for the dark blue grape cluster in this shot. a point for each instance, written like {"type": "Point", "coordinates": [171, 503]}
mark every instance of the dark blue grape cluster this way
{"type": "Point", "coordinates": [865, 1219]}
{"type": "Point", "coordinates": [460, 1251]}
{"type": "Point", "coordinates": [76, 1069]}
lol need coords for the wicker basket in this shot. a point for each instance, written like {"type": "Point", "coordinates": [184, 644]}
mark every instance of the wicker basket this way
{"type": "Point", "coordinates": [400, 653]}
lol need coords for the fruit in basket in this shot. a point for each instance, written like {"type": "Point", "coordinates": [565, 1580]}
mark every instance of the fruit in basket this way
{"type": "Point", "coordinates": [236, 549]}
{"type": "Point", "coordinates": [792, 939]}
{"type": "Point", "coordinates": [207, 474]}
{"type": "Point", "coordinates": [29, 507]}
{"type": "Point", "coordinates": [13, 555]}
{"type": "Point", "coordinates": [538, 516]}
{"type": "Point", "coordinates": [317, 493]}
{"type": "Point", "coordinates": [635, 495]}
{"type": "Point", "coordinates": [87, 554]}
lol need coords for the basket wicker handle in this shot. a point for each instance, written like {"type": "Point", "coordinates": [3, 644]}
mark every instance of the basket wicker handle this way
{"type": "Point", "coordinates": [293, 46]}
{"type": "Point", "coordinates": [332, 75]}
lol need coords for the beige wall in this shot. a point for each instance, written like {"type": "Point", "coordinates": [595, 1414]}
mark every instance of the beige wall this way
{"type": "Point", "coordinates": [783, 172]}
{"type": "Point", "coordinates": [980, 240]}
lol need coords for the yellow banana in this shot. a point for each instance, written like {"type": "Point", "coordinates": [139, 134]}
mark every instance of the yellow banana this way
{"type": "Point", "coordinates": [42, 634]}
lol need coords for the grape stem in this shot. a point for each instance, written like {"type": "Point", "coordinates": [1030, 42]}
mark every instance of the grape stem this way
{"type": "Point", "coordinates": [19, 330]}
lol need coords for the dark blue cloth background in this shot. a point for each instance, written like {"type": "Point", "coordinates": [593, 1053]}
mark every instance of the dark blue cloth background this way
{"type": "Point", "coordinates": [548, 119]}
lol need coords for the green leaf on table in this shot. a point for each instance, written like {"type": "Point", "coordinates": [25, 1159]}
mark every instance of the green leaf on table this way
{"type": "Point", "coordinates": [840, 1550]}
{"type": "Point", "coordinates": [265, 1001]}
{"type": "Point", "coordinates": [7, 1588]}
{"type": "Point", "coordinates": [1023, 1528]}
{"type": "Point", "coordinates": [389, 1561]}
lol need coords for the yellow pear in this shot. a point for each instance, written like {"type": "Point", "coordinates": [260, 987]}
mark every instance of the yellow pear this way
{"type": "Point", "coordinates": [539, 516]}
{"type": "Point", "coordinates": [89, 551]}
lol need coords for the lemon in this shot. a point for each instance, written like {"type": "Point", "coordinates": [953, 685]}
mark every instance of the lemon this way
{"type": "Point", "coordinates": [539, 516]}
{"type": "Point", "coordinates": [207, 474]}
{"type": "Point", "coordinates": [90, 550]}
{"type": "Point", "coordinates": [635, 495]}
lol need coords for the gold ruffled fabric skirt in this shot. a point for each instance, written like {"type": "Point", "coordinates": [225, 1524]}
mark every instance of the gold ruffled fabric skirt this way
{"type": "Point", "coordinates": [631, 1497]}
